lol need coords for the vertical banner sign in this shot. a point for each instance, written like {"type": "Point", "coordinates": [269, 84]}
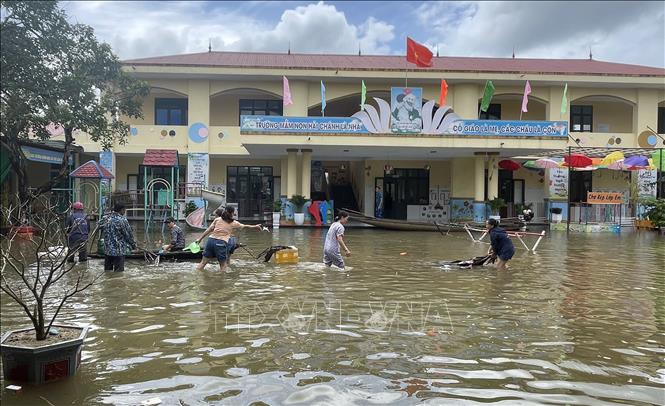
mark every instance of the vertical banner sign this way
{"type": "Point", "coordinates": [106, 160]}
{"type": "Point", "coordinates": [198, 166]}
{"type": "Point", "coordinates": [406, 105]}
{"type": "Point", "coordinates": [647, 182]}
{"type": "Point", "coordinates": [558, 183]}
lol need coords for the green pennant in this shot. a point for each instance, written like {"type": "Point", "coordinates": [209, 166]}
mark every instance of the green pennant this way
{"type": "Point", "coordinates": [564, 100]}
{"type": "Point", "coordinates": [487, 96]}
{"type": "Point", "coordinates": [363, 95]}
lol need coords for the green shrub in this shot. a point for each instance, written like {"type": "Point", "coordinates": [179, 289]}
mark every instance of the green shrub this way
{"type": "Point", "coordinates": [655, 210]}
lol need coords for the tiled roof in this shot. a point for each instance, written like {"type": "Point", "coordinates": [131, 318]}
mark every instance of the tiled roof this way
{"type": "Point", "coordinates": [398, 62]}
{"type": "Point", "coordinates": [161, 157]}
{"type": "Point", "coordinates": [91, 170]}
{"type": "Point", "coordinates": [54, 145]}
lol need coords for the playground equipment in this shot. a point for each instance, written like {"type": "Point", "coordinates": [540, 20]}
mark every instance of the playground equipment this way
{"type": "Point", "coordinates": [92, 188]}
{"type": "Point", "coordinates": [159, 200]}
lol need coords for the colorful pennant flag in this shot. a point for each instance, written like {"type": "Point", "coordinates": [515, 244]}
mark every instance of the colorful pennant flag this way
{"type": "Point", "coordinates": [323, 99]}
{"type": "Point", "coordinates": [286, 92]}
{"type": "Point", "coordinates": [487, 96]}
{"type": "Point", "coordinates": [443, 93]}
{"type": "Point", "coordinates": [418, 54]}
{"type": "Point", "coordinates": [564, 100]}
{"type": "Point", "coordinates": [525, 98]}
{"type": "Point", "coordinates": [363, 95]}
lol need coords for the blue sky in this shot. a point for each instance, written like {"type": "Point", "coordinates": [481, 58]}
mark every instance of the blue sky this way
{"type": "Point", "coordinates": [627, 32]}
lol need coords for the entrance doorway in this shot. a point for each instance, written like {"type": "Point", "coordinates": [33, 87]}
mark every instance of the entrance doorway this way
{"type": "Point", "coordinates": [252, 188]}
{"type": "Point", "coordinates": [403, 187]}
{"type": "Point", "coordinates": [512, 191]}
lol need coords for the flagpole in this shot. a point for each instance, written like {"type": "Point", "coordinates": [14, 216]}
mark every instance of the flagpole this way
{"type": "Point", "coordinates": [406, 66]}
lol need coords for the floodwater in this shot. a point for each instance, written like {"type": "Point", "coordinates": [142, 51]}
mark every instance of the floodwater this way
{"type": "Point", "coordinates": [581, 322]}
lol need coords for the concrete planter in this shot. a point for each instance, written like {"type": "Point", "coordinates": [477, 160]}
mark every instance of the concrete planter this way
{"type": "Point", "coordinates": [556, 218]}
{"type": "Point", "coordinates": [43, 364]}
{"type": "Point", "coordinates": [276, 217]}
{"type": "Point", "coordinates": [299, 218]}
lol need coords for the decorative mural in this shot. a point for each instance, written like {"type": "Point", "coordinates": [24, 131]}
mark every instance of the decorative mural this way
{"type": "Point", "coordinates": [198, 132]}
{"type": "Point", "coordinates": [461, 210]}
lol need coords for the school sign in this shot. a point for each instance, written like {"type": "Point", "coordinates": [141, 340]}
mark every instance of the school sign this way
{"type": "Point", "coordinates": [353, 125]}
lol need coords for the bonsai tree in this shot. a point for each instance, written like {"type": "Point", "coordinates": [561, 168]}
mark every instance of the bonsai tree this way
{"type": "Point", "coordinates": [35, 272]}
{"type": "Point", "coordinates": [277, 206]}
{"type": "Point", "coordinates": [298, 202]}
{"type": "Point", "coordinates": [57, 78]}
{"type": "Point", "coordinates": [655, 211]}
{"type": "Point", "coordinates": [496, 204]}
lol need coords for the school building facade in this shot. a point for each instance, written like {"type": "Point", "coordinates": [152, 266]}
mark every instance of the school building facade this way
{"type": "Point", "coordinates": [224, 114]}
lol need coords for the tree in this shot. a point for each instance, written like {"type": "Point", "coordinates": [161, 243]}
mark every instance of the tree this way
{"type": "Point", "coordinates": [35, 271]}
{"type": "Point", "coordinates": [54, 72]}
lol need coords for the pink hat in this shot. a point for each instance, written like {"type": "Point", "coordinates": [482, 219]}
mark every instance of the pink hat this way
{"type": "Point", "coordinates": [77, 206]}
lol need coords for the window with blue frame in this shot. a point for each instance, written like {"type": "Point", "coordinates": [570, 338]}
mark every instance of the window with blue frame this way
{"type": "Point", "coordinates": [170, 111]}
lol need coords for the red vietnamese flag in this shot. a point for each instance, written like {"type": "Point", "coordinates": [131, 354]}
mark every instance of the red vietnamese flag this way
{"type": "Point", "coordinates": [418, 54]}
{"type": "Point", "coordinates": [443, 93]}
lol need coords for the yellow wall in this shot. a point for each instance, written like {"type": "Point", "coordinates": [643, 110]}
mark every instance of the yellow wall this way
{"type": "Point", "coordinates": [225, 108]}
{"type": "Point", "coordinates": [610, 117]}
{"type": "Point", "coordinates": [510, 110]}
{"type": "Point", "coordinates": [462, 173]}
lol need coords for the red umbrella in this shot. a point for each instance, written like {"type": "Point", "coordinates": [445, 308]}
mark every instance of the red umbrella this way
{"type": "Point", "coordinates": [577, 161]}
{"type": "Point", "coordinates": [509, 165]}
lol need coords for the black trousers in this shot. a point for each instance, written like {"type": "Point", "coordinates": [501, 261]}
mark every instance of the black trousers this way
{"type": "Point", "coordinates": [82, 248]}
{"type": "Point", "coordinates": [116, 264]}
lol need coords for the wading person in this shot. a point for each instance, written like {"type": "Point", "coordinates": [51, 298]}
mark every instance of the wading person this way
{"type": "Point", "coordinates": [502, 247]}
{"type": "Point", "coordinates": [335, 238]}
{"type": "Point", "coordinates": [221, 243]}
{"type": "Point", "coordinates": [118, 238]}
{"type": "Point", "coordinates": [177, 236]}
{"type": "Point", "coordinates": [78, 229]}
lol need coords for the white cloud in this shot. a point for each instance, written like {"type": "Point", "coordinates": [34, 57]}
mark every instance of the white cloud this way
{"type": "Point", "coordinates": [628, 32]}
{"type": "Point", "coordinates": [137, 29]}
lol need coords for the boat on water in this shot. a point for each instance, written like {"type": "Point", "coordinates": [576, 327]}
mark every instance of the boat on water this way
{"type": "Point", "coordinates": [404, 225]}
{"type": "Point", "coordinates": [165, 256]}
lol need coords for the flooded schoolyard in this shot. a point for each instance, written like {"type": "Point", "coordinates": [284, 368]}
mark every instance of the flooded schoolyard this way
{"type": "Point", "coordinates": [582, 321]}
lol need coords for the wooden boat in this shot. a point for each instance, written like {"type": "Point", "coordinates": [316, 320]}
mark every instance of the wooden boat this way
{"type": "Point", "coordinates": [403, 225]}
{"type": "Point", "coordinates": [167, 256]}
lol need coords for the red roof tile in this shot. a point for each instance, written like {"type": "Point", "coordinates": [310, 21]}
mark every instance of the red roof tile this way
{"type": "Point", "coordinates": [396, 62]}
{"type": "Point", "coordinates": [160, 157]}
{"type": "Point", "coordinates": [91, 170]}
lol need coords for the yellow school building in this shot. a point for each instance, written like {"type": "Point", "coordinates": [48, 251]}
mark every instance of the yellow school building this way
{"type": "Point", "coordinates": [224, 114]}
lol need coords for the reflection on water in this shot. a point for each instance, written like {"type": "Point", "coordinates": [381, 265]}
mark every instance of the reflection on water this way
{"type": "Point", "coordinates": [580, 322]}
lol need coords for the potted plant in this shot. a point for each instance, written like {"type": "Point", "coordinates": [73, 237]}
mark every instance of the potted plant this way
{"type": "Point", "coordinates": [556, 214]}
{"type": "Point", "coordinates": [654, 212]}
{"type": "Point", "coordinates": [496, 204]}
{"type": "Point", "coordinates": [298, 202]}
{"type": "Point", "coordinates": [37, 275]}
{"type": "Point", "coordinates": [276, 213]}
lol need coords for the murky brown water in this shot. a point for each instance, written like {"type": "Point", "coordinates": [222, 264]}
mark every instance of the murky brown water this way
{"type": "Point", "coordinates": [580, 322]}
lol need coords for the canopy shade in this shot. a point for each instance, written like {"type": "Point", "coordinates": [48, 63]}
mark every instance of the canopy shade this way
{"type": "Point", "coordinates": [577, 161]}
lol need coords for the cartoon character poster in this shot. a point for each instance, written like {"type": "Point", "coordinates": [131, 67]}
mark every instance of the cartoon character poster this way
{"type": "Point", "coordinates": [406, 109]}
